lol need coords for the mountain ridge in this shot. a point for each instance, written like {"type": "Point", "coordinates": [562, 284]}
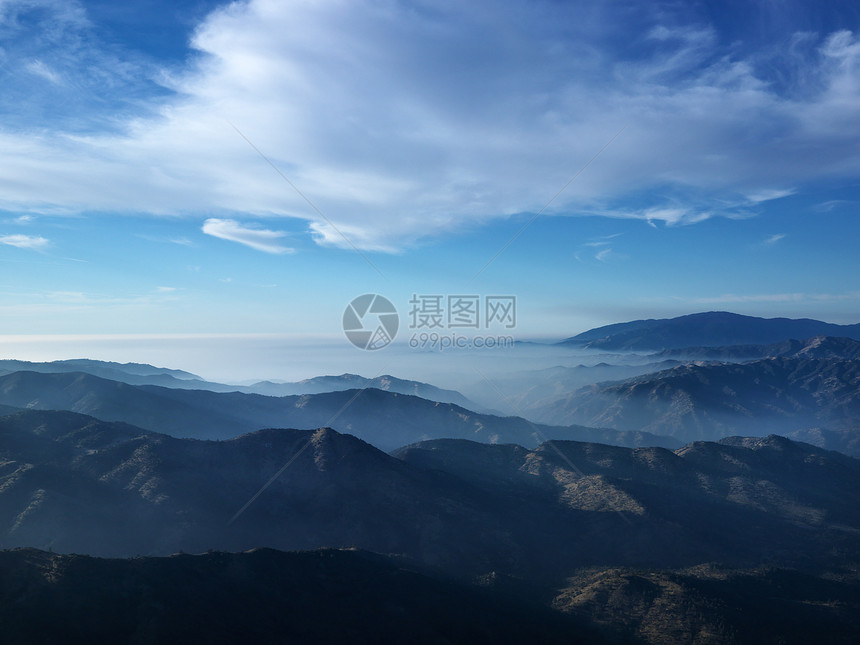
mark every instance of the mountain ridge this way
{"type": "Point", "coordinates": [386, 419]}
{"type": "Point", "coordinates": [813, 347]}
{"type": "Point", "coordinates": [712, 400]}
{"type": "Point", "coordinates": [705, 329]}
{"type": "Point", "coordinates": [74, 484]}
{"type": "Point", "coordinates": [144, 374]}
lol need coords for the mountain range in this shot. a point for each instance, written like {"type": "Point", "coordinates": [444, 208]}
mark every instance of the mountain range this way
{"type": "Point", "coordinates": [132, 373]}
{"type": "Point", "coordinates": [708, 329]}
{"type": "Point", "coordinates": [142, 374]}
{"type": "Point", "coordinates": [526, 390]}
{"type": "Point", "coordinates": [348, 509]}
{"type": "Point", "coordinates": [814, 347]}
{"type": "Point", "coordinates": [610, 536]}
{"type": "Point", "coordinates": [75, 484]}
{"type": "Point", "coordinates": [714, 400]}
{"type": "Point", "coordinates": [388, 420]}
{"type": "Point", "coordinates": [387, 383]}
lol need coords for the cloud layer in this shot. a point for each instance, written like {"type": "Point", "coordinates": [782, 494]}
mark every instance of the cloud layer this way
{"type": "Point", "coordinates": [402, 121]}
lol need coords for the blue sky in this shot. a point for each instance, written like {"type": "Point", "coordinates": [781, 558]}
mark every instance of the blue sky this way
{"type": "Point", "coordinates": [135, 197]}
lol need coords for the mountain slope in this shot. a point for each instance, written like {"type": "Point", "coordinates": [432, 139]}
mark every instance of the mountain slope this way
{"type": "Point", "coordinates": [74, 484]}
{"type": "Point", "coordinates": [710, 401]}
{"type": "Point", "coordinates": [711, 604]}
{"type": "Point", "coordinates": [386, 419]}
{"type": "Point", "coordinates": [815, 347]}
{"type": "Point", "coordinates": [142, 374]}
{"type": "Point", "coordinates": [724, 499]}
{"type": "Point", "coordinates": [533, 389]}
{"type": "Point", "coordinates": [131, 373]}
{"type": "Point", "coordinates": [710, 329]}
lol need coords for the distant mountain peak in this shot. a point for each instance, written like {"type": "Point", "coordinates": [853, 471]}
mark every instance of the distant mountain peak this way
{"type": "Point", "coordinates": [706, 329]}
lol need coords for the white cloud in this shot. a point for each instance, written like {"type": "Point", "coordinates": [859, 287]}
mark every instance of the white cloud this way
{"type": "Point", "coordinates": [826, 207]}
{"type": "Point", "coordinates": [769, 194]}
{"type": "Point", "coordinates": [42, 70]}
{"type": "Point", "coordinates": [181, 240]}
{"type": "Point", "coordinates": [603, 241]}
{"type": "Point", "coordinates": [33, 242]}
{"type": "Point", "coordinates": [773, 239]}
{"type": "Point", "coordinates": [678, 215]}
{"type": "Point", "coordinates": [356, 103]}
{"type": "Point", "coordinates": [69, 297]}
{"type": "Point", "coordinates": [256, 238]}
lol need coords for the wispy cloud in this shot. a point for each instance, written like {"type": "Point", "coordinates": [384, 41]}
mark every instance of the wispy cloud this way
{"type": "Point", "coordinates": [181, 240]}
{"type": "Point", "coordinates": [40, 69]}
{"type": "Point", "coordinates": [730, 298]}
{"type": "Point", "coordinates": [769, 195]}
{"type": "Point", "coordinates": [32, 242]}
{"type": "Point", "coordinates": [259, 239]}
{"type": "Point", "coordinates": [773, 239]}
{"type": "Point", "coordinates": [603, 241]}
{"type": "Point", "coordinates": [826, 207]}
{"type": "Point", "coordinates": [682, 215]}
{"type": "Point", "coordinates": [603, 255]}
{"type": "Point", "coordinates": [95, 300]}
{"type": "Point", "coordinates": [70, 297]}
{"type": "Point", "coordinates": [601, 248]}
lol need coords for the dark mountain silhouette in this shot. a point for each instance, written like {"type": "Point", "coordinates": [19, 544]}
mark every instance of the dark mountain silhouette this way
{"type": "Point", "coordinates": [267, 596]}
{"type": "Point", "coordinates": [710, 401]}
{"type": "Point", "coordinates": [386, 419]}
{"type": "Point", "coordinates": [711, 329]}
{"type": "Point", "coordinates": [262, 596]}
